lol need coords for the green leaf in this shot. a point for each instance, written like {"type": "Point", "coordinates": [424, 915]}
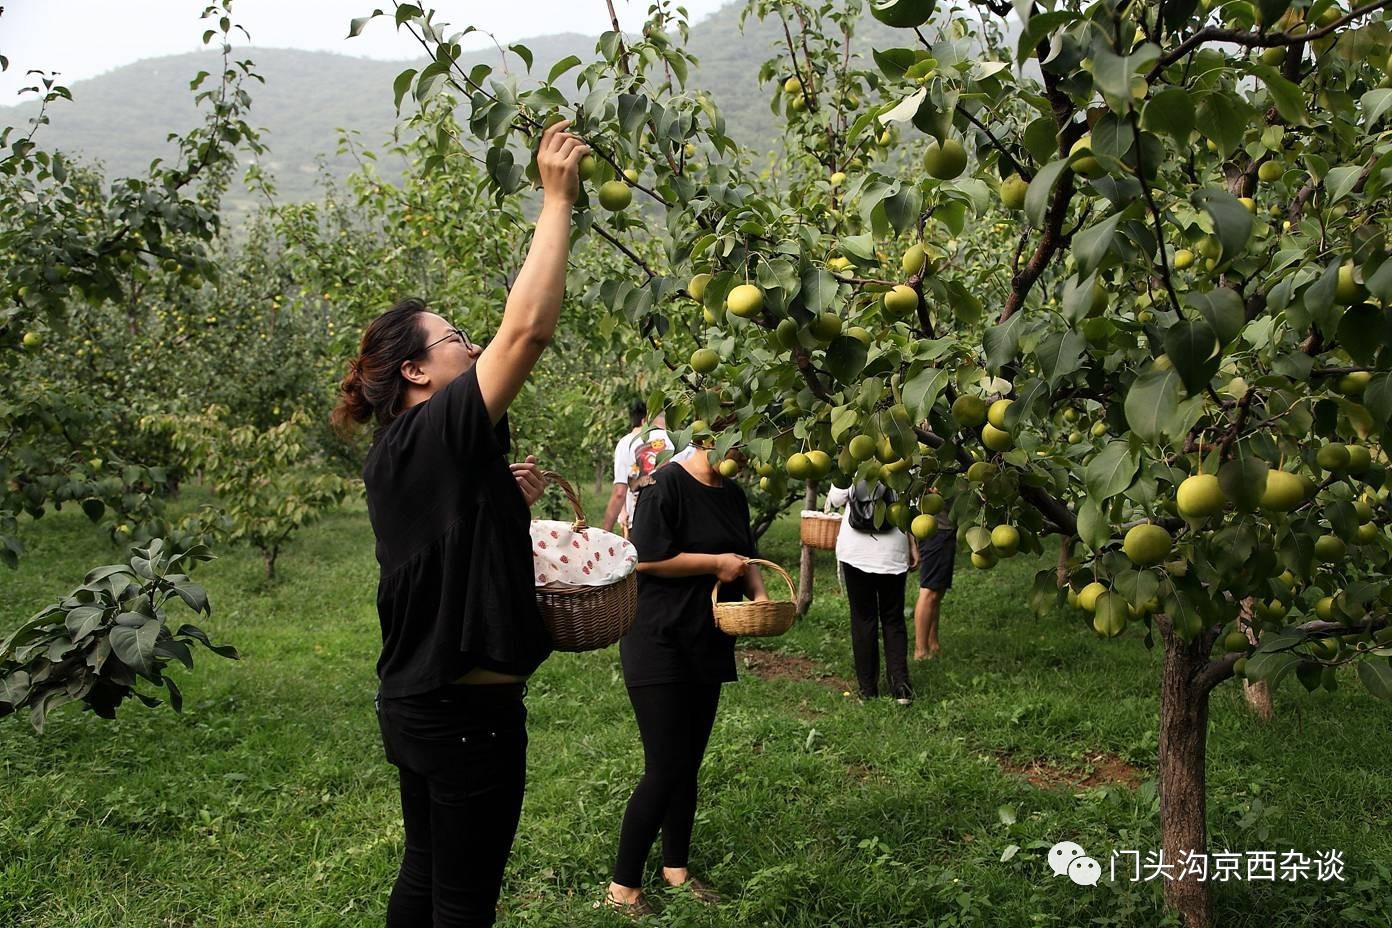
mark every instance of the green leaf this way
{"type": "Point", "coordinates": [857, 246]}
{"type": "Point", "coordinates": [1110, 471]}
{"type": "Point", "coordinates": [1001, 342]}
{"type": "Point", "coordinates": [1288, 97]}
{"type": "Point", "coordinates": [193, 631]}
{"type": "Point", "coordinates": [843, 419]}
{"type": "Point", "coordinates": [905, 109]}
{"type": "Point", "coordinates": [1225, 118]}
{"type": "Point", "coordinates": [136, 646]}
{"type": "Point", "coordinates": [1060, 354]}
{"type": "Point", "coordinates": [173, 647]}
{"type": "Point", "coordinates": [402, 86]}
{"type": "Point", "coordinates": [1222, 309]}
{"type": "Point", "coordinates": [845, 358]}
{"type": "Point", "coordinates": [1041, 138]}
{"type": "Point", "coordinates": [1152, 403]}
{"type": "Point", "coordinates": [1272, 10]}
{"type": "Point", "coordinates": [952, 214]}
{"type": "Point", "coordinates": [1193, 348]}
{"type": "Point", "coordinates": [14, 687]}
{"type": "Point", "coordinates": [1271, 666]}
{"type": "Point", "coordinates": [524, 53]}
{"type": "Point", "coordinates": [1377, 398]}
{"type": "Point", "coordinates": [94, 508]}
{"type": "Point", "coordinates": [357, 25]}
{"type": "Point", "coordinates": [902, 208]}
{"type": "Point", "coordinates": [1319, 299]}
{"type": "Point", "coordinates": [1039, 27]}
{"type": "Point", "coordinates": [1171, 111]}
{"type": "Point", "coordinates": [1093, 528]}
{"type": "Point", "coordinates": [1340, 181]}
{"type": "Point", "coordinates": [1090, 245]}
{"type": "Point", "coordinates": [818, 289]}
{"type": "Point", "coordinates": [1042, 188]}
{"type": "Point", "coordinates": [193, 594]}
{"type": "Point", "coordinates": [1232, 223]}
{"type": "Point", "coordinates": [1112, 73]}
{"type": "Point", "coordinates": [1376, 104]}
{"type": "Point", "coordinates": [1243, 481]}
{"type": "Point", "coordinates": [81, 621]}
{"type": "Point", "coordinates": [1376, 674]}
{"type": "Point", "coordinates": [894, 62]}
{"type": "Point", "coordinates": [923, 389]}
{"type": "Point", "coordinates": [561, 67]}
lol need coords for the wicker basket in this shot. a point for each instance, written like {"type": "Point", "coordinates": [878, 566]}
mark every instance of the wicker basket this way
{"type": "Point", "coordinates": [819, 530]}
{"type": "Point", "coordinates": [586, 618]}
{"type": "Point", "coordinates": [761, 619]}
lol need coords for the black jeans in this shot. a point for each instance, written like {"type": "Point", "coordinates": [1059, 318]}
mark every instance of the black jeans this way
{"type": "Point", "coordinates": [877, 605]}
{"type": "Point", "coordinates": [462, 754]}
{"type": "Point", "coordinates": [674, 721]}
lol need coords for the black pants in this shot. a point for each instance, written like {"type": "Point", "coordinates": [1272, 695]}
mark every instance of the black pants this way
{"type": "Point", "coordinates": [674, 721]}
{"type": "Point", "coordinates": [462, 754]}
{"type": "Point", "coordinates": [877, 605]}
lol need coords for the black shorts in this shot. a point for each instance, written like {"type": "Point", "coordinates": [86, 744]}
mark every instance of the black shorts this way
{"type": "Point", "coordinates": [935, 556]}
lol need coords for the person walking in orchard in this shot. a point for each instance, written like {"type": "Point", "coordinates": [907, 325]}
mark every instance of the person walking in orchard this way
{"type": "Point", "coordinates": [636, 457]}
{"type": "Point", "coordinates": [691, 528]}
{"type": "Point", "coordinates": [875, 560]}
{"type": "Point", "coordinates": [461, 631]}
{"type": "Point", "coordinates": [935, 557]}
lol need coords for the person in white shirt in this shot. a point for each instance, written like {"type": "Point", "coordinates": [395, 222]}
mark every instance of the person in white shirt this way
{"type": "Point", "coordinates": [875, 564]}
{"type": "Point", "coordinates": [636, 456]}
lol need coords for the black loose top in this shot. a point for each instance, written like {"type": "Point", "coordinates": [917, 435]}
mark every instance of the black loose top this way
{"type": "Point", "coordinates": [674, 638]}
{"type": "Point", "coordinates": [454, 545]}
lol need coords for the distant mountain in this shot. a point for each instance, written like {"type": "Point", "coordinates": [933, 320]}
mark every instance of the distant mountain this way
{"type": "Point", "coordinates": [122, 119]}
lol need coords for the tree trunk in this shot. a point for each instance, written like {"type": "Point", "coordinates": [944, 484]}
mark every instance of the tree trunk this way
{"type": "Point", "coordinates": [805, 564]}
{"type": "Point", "coordinates": [1183, 740]}
{"type": "Point", "coordinates": [1257, 695]}
{"type": "Point", "coordinates": [270, 556]}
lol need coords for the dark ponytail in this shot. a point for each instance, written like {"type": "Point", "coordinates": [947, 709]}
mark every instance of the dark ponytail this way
{"type": "Point", "coordinates": [373, 385]}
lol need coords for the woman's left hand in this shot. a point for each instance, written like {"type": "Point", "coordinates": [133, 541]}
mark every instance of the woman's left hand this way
{"type": "Point", "coordinates": [529, 479]}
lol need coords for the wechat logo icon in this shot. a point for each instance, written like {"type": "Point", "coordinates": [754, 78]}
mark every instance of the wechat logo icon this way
{"type": "Point", "coordinates": [1067, 858]}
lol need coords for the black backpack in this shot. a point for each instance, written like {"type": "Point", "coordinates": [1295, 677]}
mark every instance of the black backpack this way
{"type": "Point", "coordinates": [861, 508]}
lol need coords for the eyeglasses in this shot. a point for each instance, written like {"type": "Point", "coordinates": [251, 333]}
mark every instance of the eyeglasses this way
{"type": "Point", "coordinates": [454, 335]}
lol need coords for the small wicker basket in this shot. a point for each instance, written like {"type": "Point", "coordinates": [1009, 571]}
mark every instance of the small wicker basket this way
{"type": "Point", "coordinates": [761, 619]}
{"type": "Point", "coordinates": [586, 618]}
{"type": "Point", "coordinates": [819, 530]}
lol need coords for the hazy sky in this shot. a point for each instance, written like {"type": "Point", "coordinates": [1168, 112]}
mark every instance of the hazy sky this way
{"type": "Point", "coordinates": [84, 38]}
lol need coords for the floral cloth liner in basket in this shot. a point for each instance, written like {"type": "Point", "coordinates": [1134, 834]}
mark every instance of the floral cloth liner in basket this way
{"type": "Point", "coordinates": [589, 557]}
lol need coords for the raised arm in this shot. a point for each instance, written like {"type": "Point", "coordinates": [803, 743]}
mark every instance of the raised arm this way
{"type": "Point", "coordinates": [534, 305]}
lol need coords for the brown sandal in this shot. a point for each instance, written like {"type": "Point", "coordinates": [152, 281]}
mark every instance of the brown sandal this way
{"type": "Point", "coordinates": [639, 908]}
{"type": "Point", "coordinates": [702, 891]}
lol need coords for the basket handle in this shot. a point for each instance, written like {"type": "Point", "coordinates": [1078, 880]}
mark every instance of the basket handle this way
{"type": "Point", "coordinates": [550, 476]}
{"type": "Point", "coordinates": [792, 593]}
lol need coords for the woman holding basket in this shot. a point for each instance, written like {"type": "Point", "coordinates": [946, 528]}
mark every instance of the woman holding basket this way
{"type": "Point", "coordinates": [691, 528]}
{"type": "Point", "coordinates": [460, 627]}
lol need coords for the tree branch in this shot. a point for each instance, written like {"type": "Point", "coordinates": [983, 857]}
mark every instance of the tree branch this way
{"type": "Point", "coordinates": [1257, 39]}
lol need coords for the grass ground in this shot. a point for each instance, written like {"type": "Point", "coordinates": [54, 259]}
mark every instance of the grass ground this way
{"type": "Point", "coordinates": [268, 801]}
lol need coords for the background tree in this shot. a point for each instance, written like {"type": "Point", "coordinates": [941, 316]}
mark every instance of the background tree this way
{"type": "Point", "coordinates": [1197, 284]}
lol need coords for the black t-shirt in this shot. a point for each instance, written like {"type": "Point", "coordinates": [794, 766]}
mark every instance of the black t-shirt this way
{"type": "Point", "coordinates": [454, 544]}
{"type": "Point", "coordinates": [674, 638]}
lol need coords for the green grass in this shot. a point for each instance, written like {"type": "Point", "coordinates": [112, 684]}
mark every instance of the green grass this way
{"type": "Point", "coordinates": [268, 801]}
